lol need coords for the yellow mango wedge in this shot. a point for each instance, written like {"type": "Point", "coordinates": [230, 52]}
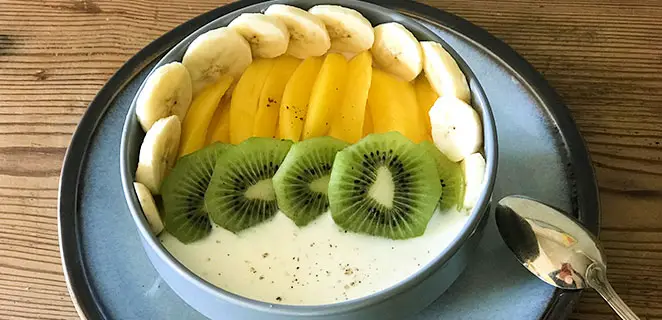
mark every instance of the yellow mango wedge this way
{"type": "Point", "coordinates": [213, 124]}
{"type": "Point", "coordinates": [199, 115]}
{"type": "Point", "coordinates": [219, 128]}
{"type": "Point", "coordinates": [393, 106]}
{"type": "Point", "coordinates": [348, 122]}
{"type": "Point", "coordinates": [294, 107]}
{"type": "Point", "coordinates": [426, 97]}
{"type": "Point", "coordinates": [326, 96]}
{"type": "Point", "coordinates": [243, 108]}
{"type": "Point", "coordinates": [409, 99]}
{"type": "Point", "coordinates": [368, 127]}
{"type": "Point", "coordinates": [268, 106]}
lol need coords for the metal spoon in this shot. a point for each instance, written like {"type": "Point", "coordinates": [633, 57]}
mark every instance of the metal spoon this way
{"type": "Point", "coordinates": [556, 248]}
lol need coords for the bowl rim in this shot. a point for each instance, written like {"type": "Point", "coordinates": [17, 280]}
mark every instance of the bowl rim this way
{"type": "Point", "coordinates": [490, 151]}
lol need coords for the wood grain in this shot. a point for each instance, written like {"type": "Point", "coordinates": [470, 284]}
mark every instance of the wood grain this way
{"type": "Point", "coordinates": [603, 57]}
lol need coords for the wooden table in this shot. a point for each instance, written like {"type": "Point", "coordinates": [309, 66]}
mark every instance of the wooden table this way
{"type": "Point", "coordinates": [603, 57]}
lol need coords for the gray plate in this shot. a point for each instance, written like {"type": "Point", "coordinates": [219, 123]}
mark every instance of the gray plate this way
{"type": "Point", "coordinates": [541, 155]}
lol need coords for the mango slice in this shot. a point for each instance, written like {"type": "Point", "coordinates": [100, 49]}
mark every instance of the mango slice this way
{"type": "Point", "coordinates": [409, 99]}
{"type": "Point", "coordinates": [368, 127]}
{"type": "Point", "coordinates": [271, 96]}
{"type": "Point", "coordinates": [196, 122]}
{"type": "Point", "coordinates": [348, 122]}
{"type": "Point", "coordinates": [326, 96]}
{"type": "Point", "coordinates": [294, 107]}
{"type": "Point", "coordinates": [393, 106]}
{"type": "Point", "coordinates": [219, 127]}
{"type": "Point", "coordinates": [426, 97]}
{"type": "Point", "coordinates": [243, 108]}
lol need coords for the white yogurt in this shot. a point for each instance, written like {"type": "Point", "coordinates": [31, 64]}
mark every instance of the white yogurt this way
{"type": "Point", "coordinates": [278, 262]}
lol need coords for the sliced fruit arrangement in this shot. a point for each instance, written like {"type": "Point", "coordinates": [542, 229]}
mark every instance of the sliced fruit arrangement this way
{"type": "Point", "coordinates": [241, 192]}
{"type": "Point", "coordinates": [376, 126]}
{"type": "Point", "coordinates": [385, 185]}
{"type": "Point", "coordinates": [302, 182]}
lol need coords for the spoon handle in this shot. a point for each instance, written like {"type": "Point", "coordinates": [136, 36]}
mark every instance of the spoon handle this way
{"type": "Point", "coordinates": [596, 277]}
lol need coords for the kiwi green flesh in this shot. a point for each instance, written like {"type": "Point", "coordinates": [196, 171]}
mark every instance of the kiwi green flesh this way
{"type": "Point", "coordinates": [450, 178]}
{"type": "Point", "coordinates": [183, 190]}
{"type": "Point", "coordinates": [384, 185]}
{"type": "Point", "coordinates": [241, 192]}
{"type": "Point", "coordinates": [302, 181]}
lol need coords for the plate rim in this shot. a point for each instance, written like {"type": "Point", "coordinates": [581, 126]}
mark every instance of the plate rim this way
{"type": "Point", "coordinates": [579, 169]}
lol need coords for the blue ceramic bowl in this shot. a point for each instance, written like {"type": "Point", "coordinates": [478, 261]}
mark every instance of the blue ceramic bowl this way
{"type": "Point", "coordinates": [407, 297]}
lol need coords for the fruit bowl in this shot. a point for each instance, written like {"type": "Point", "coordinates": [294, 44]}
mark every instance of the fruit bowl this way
{"type": "Point", "coordinates": [407, 297]}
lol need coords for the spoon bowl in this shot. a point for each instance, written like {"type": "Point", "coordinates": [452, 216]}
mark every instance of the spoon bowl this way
{"type": "Point", "coordinates": [556, 248]}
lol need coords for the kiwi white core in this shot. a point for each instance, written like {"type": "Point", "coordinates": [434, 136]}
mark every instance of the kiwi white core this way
{"type": "Point", "coordinates": [263, 190]}
{"type": "Point", "coordinates": [321, 185]}
{"type": "Point", "coordinates": [383, 189]}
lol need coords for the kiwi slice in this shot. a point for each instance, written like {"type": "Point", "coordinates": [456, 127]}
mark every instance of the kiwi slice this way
{"type": "Point", "coordinates": [450, 177]}
{"type": "Point", "coordinates": [183, 193]}
{"type": "Point", "coordinates": [302, 182]}
{"type": "Point", "coordinates": [384, 185]}
{"type": "Point", "coordinates": [241, 193]}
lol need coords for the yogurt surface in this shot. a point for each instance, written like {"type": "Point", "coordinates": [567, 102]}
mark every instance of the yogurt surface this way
{"type": "Point", "coordinates": [278, 262]}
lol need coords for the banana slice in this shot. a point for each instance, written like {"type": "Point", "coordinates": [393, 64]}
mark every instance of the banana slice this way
{"type": "Point", "coordinates": [442, 72]}
{"type": "Point", "coordinates": [218, 52]}
{"type": "Point", "coordinates": [167, 91]}
{"type": "Point", "coordinates": [268, 36]}
{"type": "Point", "coordinates": [349, 30]}
{"type": "Point", "coordinates": [149, 207]}
{"type": "Point", "coordinates": [473, 168]}
{"type": "Point", "coordinates": [308, 35]}
{"type": "Point", "coordinates": [158, 152]}
{"type": "Point", "coordinates": [456, 128]}
{"type": "Point", "coordinates": [397, 51]}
